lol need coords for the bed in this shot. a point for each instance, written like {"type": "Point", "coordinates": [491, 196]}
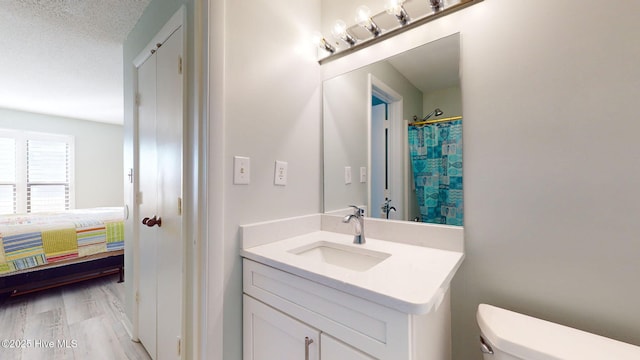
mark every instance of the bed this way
{"type": "Point", "coordinates": [44, 250]}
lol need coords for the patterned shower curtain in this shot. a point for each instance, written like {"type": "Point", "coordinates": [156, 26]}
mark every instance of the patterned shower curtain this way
{"type": "Point", "coordinates": [436, 157]}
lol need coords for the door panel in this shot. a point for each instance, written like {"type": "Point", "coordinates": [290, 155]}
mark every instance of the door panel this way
{"type": "Point", "coordinates": [169, 150]}
{"type": "Point", "coordinates": [147, 170]}
{"type": "Point", "coordinates": [270, 334]}
{"type": "Point", "coordinates": [335, 349]}
{"type": "Point", "coordinates": [160, 169]}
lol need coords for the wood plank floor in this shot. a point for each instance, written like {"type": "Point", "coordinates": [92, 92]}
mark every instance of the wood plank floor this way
{"type": "Point", "coordinates": [78, 321]}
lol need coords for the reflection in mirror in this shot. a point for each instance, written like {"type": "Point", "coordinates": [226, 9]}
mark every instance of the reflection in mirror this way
{"type": "Point", "coordinates": [393, 136]}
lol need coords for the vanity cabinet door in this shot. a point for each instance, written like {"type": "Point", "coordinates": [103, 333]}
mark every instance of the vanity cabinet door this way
{"type": "Point", "coordinates": [269, 334]}
{"type": "Point", "coordinates": [333, 349]}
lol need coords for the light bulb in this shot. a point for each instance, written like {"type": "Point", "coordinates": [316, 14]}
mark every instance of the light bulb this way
{"type": "Point", "coordinates": [339, 31]}
{"type": "Point", "coordinates": [363, 18]}
{"type": "Point", "coordinates": [394, 7]}
{"type": "Point", "coordinates": [363, 15]}
{"type": "Point", "coordinates": [317, 38]}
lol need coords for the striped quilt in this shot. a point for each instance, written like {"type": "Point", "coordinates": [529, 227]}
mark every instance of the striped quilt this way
{"type": "Point", "coordinates": [31, 240]}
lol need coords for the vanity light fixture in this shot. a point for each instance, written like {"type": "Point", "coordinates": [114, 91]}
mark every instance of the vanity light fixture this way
{"type": "Point", "coordinates": [394, 7]}
{"type": "Point", "coordinates": [339, 31]}
{"type": "Point", "coordinates": [357, 41]}
{"type": "Point", "coordinates": [322, 43]}
{"type": "Point", "coordinates": [363, 18]}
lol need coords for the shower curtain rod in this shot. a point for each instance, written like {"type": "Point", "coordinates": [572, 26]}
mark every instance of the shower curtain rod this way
{"type": "Point", "coordinates": [454, 118]}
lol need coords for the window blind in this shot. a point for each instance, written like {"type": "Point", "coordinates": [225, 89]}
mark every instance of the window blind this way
{"type": "Point", "coordinates": [47, 175]}
{"type": "Point", "coordinates": [36, 172]}
{"type": "Point", "coordinates": [7, 176]}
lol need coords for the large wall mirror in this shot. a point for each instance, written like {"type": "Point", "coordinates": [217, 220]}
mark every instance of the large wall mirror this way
{"type": "Point", "coordinates": [393, 136]}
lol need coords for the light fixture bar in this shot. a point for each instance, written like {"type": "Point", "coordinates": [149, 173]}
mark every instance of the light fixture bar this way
{"type": "Point", "coordinates": [398, 30]}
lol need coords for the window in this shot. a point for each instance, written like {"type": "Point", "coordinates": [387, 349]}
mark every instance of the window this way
{"type": "Point", "coordinates": [7, 175]}
{"type": "Point", "coordinates": [36, 172]}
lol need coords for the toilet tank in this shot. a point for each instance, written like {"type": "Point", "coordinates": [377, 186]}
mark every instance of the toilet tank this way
{"type": "Point", "coordinates": [513, 336]}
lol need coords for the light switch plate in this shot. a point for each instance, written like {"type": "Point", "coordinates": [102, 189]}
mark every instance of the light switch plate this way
{"type": "Point", "coordinates": [347, 174]}
{"type": "Point", "coordinates": [241, 170]}
{"type": "Point", "coordinates": [363, 174]}
{"type": "Point", "coordinates": [280, 174]}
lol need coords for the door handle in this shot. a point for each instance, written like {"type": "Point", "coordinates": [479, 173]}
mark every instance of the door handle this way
{"type": "Point", "coordinates": [151, 222]}
{"type": "Point", "coordinates": [307, 342]}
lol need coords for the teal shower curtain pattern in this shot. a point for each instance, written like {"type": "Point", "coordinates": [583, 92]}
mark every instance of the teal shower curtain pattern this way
{"type": "Point", "coordinates": [436, 158]}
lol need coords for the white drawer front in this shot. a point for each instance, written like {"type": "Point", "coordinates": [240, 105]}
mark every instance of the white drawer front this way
{"type": "Point", "coordinates": [379, 331]}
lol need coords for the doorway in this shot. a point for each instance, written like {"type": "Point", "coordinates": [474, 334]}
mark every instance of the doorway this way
{"type": "Point", "coordinates": [387, 153]}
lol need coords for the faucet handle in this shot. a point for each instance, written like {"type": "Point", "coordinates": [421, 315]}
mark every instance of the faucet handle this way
{"type": "Point", "coordinates": [358, 210]}
{"type": "Point", "coordinates": [386, 205]}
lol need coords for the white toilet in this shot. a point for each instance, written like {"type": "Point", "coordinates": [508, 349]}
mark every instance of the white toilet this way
{"type": "Point", "coordinates": [506, 335]}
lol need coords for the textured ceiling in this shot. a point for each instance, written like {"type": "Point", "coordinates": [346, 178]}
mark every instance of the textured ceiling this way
{"type": "Point", "coordinates": [64, 57]}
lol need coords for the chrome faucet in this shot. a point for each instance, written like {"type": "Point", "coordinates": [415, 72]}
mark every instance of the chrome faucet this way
{"type": "Point", "coordinates": [358, 214]}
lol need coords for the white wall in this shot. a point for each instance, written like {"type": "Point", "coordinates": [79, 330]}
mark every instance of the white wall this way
{"type": "Point", "coordinates": [551, 161]}
{"type": "Point", "coordinates": [265, 89]}
{"type": "Point", "coordinates": [449, 100]}
{"type": "Point", "coordinates": [98, 154]}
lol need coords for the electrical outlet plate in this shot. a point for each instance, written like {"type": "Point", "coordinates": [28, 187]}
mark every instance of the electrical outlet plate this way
{"type": "Point", "coordinates": [280, 173]}
{"type": "Point", "coordinates": [363, 174]}
{"type": "Point", "coordinates": [241, 170]}
{"type": "Point", "coordinates": [347, 174]}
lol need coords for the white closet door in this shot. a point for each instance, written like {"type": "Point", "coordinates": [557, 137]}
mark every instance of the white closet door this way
{"type": "Point", "coordinates": [170, 243]}
{"type": "Point", "coordinates": [147, 170]}
{"type": "Point", "coordinates": [160, 131]}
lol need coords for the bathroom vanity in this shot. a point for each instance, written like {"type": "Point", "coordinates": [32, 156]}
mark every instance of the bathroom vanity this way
{"type": "Point", "coordinates": [310, 293]}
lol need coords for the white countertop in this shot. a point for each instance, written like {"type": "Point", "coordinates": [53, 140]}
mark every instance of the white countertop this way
{"type": "Point", "coordinates": [412, 280]}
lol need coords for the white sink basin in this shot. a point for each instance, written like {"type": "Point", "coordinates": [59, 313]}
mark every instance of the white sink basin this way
{"type": "Point", "coordinates": [348, 257]}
